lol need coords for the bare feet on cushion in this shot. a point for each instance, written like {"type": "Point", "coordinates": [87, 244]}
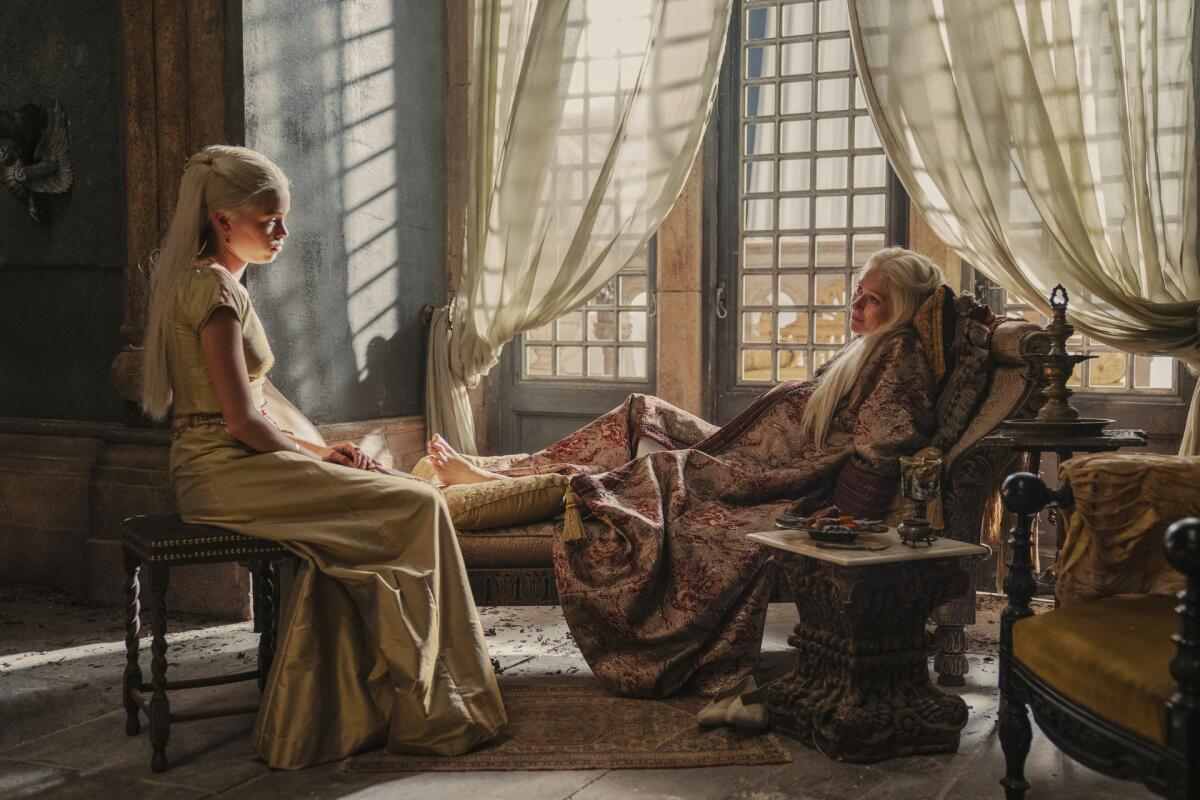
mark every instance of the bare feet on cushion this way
{"type": "Point", "coordinates": [451, 468]}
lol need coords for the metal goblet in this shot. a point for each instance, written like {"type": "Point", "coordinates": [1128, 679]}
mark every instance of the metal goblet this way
{"type": "Point", "coordinates": [921, 481]}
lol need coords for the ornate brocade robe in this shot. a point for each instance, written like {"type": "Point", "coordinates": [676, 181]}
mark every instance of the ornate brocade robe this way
{"type": "Point", "coordinates": [664, 590]}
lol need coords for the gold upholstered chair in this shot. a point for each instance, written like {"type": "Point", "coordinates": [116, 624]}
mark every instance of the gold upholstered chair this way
{"type": "Point", "coordinates": [1112, 675]}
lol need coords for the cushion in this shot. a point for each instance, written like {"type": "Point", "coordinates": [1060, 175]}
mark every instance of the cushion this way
{"type": "Point", "coordinates": [510, 501]}
{"type": "Point", "coordinates": [1112, 656]}
{"type": "Point", "coordinates": [1113, 542]}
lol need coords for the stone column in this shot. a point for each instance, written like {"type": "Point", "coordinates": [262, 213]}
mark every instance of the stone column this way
{"type": "Point", "coordinates": [182, 80]}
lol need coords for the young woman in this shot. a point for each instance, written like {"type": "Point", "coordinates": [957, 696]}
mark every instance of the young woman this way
{"type": "Point", "coordinates": [382, 644]}
{"type": "Point", "coordinates": [664, 590]}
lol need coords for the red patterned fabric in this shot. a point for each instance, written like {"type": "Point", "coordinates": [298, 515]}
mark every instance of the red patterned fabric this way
{"type": "Point", "coordinates": [866, 495]}
{"type": "Point", "coordinates": [671, 593]}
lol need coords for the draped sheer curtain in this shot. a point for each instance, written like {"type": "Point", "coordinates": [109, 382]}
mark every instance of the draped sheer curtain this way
{"type": "Point", "coordinates": [585, 117]}
{"type": "Point", "coordinates": [1051, 141]}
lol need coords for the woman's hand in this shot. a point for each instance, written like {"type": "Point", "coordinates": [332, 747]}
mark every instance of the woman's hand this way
{"type": "Point", "coordinates": [348, 455]}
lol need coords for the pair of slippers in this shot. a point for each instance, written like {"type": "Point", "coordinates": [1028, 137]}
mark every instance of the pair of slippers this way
{"type": "Point", "coordinates": [739, 706]}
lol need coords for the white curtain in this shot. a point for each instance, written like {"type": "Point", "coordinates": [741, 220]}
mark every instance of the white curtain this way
{"type": "Point", "coordinates": [1051, 141]}
{"type": "Point", "coordinates": [585, 117]}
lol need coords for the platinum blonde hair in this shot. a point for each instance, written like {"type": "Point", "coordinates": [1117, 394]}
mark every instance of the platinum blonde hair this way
{"type": "Point", "coordinates": [218, 178]}
{"type": "Point", "coordinates": [910, 278]}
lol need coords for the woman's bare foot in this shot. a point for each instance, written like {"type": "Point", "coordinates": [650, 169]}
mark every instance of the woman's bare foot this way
{"type": "Point", "coordinates": [451, 468]}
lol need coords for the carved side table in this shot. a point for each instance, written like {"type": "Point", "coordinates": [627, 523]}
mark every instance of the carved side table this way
{"type": "Point", "coordinates": [861, 690]}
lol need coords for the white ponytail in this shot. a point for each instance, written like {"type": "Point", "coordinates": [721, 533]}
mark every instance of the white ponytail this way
{"type": "Point", "coordinates": [218, 178]}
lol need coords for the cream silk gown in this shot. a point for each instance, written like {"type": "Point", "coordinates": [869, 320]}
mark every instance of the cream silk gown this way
{"type": "Point", "coordinates": [380, 642]}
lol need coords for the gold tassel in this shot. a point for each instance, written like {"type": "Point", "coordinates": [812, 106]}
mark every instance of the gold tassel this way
{"type": "Point", "coordinates": [933, 512]}
{"type": "Point", "coordinates": [572, 521]}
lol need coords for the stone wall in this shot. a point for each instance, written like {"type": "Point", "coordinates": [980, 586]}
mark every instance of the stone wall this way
{"type": "Point", "coordinates": [349, 98]}
{"type": "Point", "coordinates": [60, 281]}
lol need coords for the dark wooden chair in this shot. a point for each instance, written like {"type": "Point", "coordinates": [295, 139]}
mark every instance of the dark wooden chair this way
{"type": "Point", "coordinates": [1148, 730]}
{"type": "Point", "coordinates": [152, 545]}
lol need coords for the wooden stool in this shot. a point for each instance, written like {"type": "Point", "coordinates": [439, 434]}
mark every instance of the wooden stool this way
{"type": "Point", "coordinates": [158, 543]}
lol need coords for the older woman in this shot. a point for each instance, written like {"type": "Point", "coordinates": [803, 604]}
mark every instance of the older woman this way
{"type": "Point", "coordinates": [666, 591]}
{"type": "Point", "coordinates": [382, 644]}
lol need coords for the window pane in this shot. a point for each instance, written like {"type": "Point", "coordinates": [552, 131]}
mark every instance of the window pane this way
{"type": "Point", "coordinates": [831, 212]}
{"type": "Point", "coordinates": [795, 136]}
{"type": "Point", "coordinates": [829, 327]}
{"type": "Point", "coordinates": [570, 361]}
{"type": "Point", "coordinates": [600, 326]}
{"type": "Point", "coordinates": [760, 23]}
{"type": "Point", "coordinates": [756, 327]}
{"type": "Point", "coordinates": [831, 173]}
{"type": "Point", "coordinates": [760, 100]}
{"type": "Point", "coordinates": [793, 212]}
{"type": "Point", "coordinates": [869, 171]}
{"type": "Point", "coordinates": [760, 177]}
{"type": "Point", "coordinates": [833, 16]}
{"type": "Point", "coordinates": [797, 58]}
{"type": "Point", "coordinates": [633, 326]}
{"type": "Point", "coordinates": [539, 361]}
{"type": "Point", "coordinates": [793, 290]}
{"type": "Point", "coordinates": [797, 98]}
{"type": "Point", "coordinates": [1107, 371]}
{"type": "Point", "coordinates": [760, 215]}
{"type": "Point", "coordinates": [793, 252]}
{"type": "Point", "coordinates": [793, 365]}
{"type": "Point", "coordinates": [1153, 372]}
{"type": "Point", "coordinates": [831, 251]}
{"type": "Point", "coordinates": [633, 290]}
{"type": "Point", "coordinates": [793, 327]}
{"type": "Point", "coordinates": [760, 62]}
{"type": "Point", "coordinates": [757, 252]}
{"type": "Point", "coordinates": [543, 334]}
{"type": "Point", "coordinates": [834, 55]}
{"type": "Point", "coordinates": [833, 94]}
{"type": "Point", "coordinates": [830, 290]}
{"type": "Point", "coordinates": [600, 362]}
{"type": "Point", "coordinates": [757, 290]}
{"type": "Point", "coordinates": [869, 211]}
{"type": "Point", "coordinates": [797, 19]}
{"type": "Point", "coordinates": [833, 133]}
{"type": "Point", "coordinates": [756, 365]}
{"type": "Point", "coordinates": [632, 362]}
{"type": "Point", "coordinates": [793, 174]}
{"type": "Point", "coordinates": [865, 246]}
{"type": "Point", "coordinates": [570, 327]}
{"type": "Point", "coordinates": [865, 137]}
{"type": "Point", "coordinates": [760, 138]}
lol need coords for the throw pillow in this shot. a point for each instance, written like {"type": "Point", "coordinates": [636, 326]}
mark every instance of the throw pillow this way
{"type": "Point", "coordinates": [510, 501]}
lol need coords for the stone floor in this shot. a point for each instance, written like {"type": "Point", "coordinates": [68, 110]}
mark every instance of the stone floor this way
{"type": "Point", "coordinates": [62, 729]}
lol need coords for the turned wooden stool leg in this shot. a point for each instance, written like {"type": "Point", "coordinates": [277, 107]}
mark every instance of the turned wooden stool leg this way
{"type": "Point", "coordinates": [267, 605]}
{"type": "Point", "coordinates": [256, 593]}
{"type": "Point", "coordinates": [160, 708]}
{"type": "Point", "coordinates": [132, 679]}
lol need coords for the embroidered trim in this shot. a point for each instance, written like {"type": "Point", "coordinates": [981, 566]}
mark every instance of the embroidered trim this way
{"type": "Point", "coordinates": [186, 422]}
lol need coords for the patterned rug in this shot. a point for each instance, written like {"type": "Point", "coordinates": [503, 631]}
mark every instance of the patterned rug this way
{"type": "Point", "coordinates": [581, 726]}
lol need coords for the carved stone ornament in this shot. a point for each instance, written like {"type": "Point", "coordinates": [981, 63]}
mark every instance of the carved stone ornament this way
{"type": "Point", "coordinates": [35, 154]}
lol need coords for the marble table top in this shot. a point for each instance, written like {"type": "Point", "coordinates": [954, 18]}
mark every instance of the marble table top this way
{"type": "Point", "coordinates": [800, 543]}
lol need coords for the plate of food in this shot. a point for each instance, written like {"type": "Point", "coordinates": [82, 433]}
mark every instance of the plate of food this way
{"type": "Point", "coordinates": [831, 526]}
